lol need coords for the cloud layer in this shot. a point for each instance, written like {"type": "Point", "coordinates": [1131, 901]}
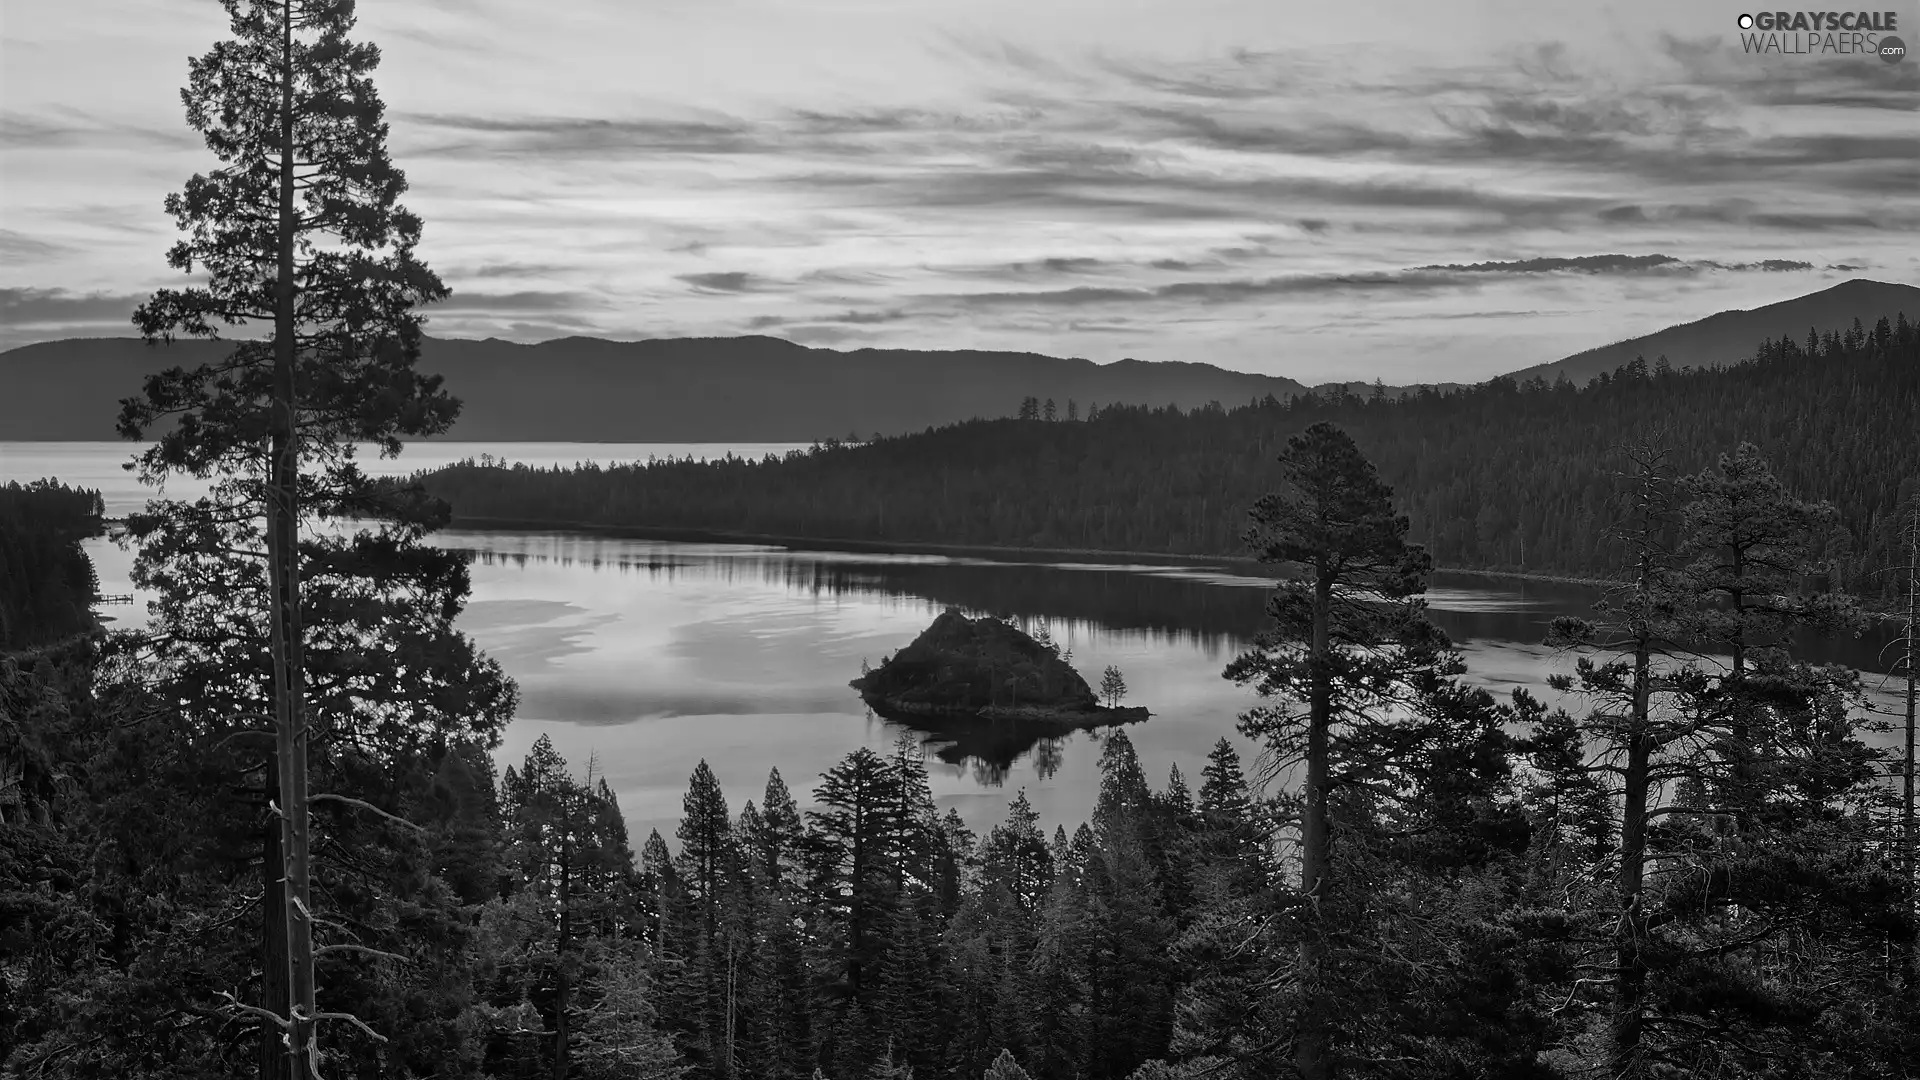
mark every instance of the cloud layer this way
{"type": "Point", "coordinates": [908, 178]}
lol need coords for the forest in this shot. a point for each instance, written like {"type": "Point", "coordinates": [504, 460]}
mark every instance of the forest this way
{"type": "Point", "coordinates": [1499, 476]}
{"type": "Point", "coordinates": [47, 586]}
{"type": "Point", "coordinates": [1465, 916]}
{"type": "Point", "coordinates": [265, 833]}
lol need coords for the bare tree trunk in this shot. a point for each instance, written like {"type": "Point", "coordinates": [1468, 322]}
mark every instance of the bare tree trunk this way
{"type": "Point", "coordinates": [1908, 839]}
{"type": "Point", "coordinates": [1316, 841]}
{"type": "Point", "coordinates": [1630, 974]}
{"type": "Point", "coordinates": [1627, 1025]}
{"type": "Point", "coordinates": [283, 569]}
{"type": "Point", "coordinates": [273, 937]}
{"type": "Point", "coordinates": [561, 986]}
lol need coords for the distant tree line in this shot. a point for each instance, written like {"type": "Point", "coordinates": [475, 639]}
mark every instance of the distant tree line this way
{"type": "Point", "coordinates": [1499, 476]}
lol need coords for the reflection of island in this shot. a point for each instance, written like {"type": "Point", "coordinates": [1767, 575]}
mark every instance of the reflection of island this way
{"type": "Point", "coordinates": [985, 689]}
{"type": "Point", "coordinates": [990, 747]}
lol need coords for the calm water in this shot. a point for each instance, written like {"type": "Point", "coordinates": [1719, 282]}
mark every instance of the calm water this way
{"type": "Point", "coordinates": [651, 655]}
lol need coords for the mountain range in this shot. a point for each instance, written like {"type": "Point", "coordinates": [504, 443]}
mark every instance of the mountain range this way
{"type": "Point", "coordinates": [763, 389]}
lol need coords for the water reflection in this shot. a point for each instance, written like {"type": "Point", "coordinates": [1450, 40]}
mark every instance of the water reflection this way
{"type": "Point", "coordinates": [990, 748]}
{"type": "Point", "coordinates": [656, 655]}
{"type": "Point", "coordinates": [1217, 609]}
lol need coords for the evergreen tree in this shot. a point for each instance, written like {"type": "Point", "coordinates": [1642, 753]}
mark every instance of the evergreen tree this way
{"type": "Point", "coordinates": [1016, 858]}
{"type": "Point", "coordinates": [706, 844]}
{"type": "Point", "coordinates": [1124, 796]}
{"type": "Point", "coordinates": [618, 1039]}
{"type": "Point", "coordinates": [852, 860]}
{"type": "Point", "coordinates": [1005, 1068]}
{"type": "Point", "coordinates": [569, 852]}
{"type": "Point", "coordinates": [783, 834]}
{"type": "Point", "coordinates": [1703, 964]}
{"type": "Point", "coordinates": [300, 230]}
{"type": "Point", "coordinates": [1348, 643]}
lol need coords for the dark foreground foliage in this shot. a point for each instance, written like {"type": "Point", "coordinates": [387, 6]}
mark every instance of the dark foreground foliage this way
{"type": "Point", "coordinates": [1461, 914]}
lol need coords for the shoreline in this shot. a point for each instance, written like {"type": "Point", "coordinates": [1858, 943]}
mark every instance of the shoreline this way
{"type": "Point", "coordinates": [1097, 716]}
{"type": "Point", "coordinates": [916, 547]}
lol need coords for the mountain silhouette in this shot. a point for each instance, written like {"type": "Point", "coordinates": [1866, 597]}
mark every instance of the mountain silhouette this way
{"type": "Point", "coordinates": [1730, 336]}
{"type": "Point", "coordinates": [763, 389]}
{"type": "Point", "coordinates": [578, 389]}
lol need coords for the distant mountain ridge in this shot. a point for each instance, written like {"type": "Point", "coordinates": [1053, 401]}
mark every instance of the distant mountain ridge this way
{"type": "Point", "coordinates": [1729, 337]}
{"type": "Point", "coordinates": [764, 389]}
{"type": "Point", "coordinates": [757, 389]}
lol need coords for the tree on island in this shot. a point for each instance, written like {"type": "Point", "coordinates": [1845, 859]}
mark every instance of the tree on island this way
{"type": "Point", "coordinates": [1048, 411]}
{"type": "Point", "coordinates": [1113, 686]}
{"type": "Point", "coordinates": [301, 230]}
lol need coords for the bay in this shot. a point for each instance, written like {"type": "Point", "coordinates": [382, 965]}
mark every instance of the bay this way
{"type": "Point", "coordinates": [648, 656]}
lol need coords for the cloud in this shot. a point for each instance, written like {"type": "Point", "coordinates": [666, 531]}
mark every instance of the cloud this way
{"type": "Point", "coordinates": [1707, 62]}
{"type": "Point", "coordinates": [64, 126]}
{"type": "Point", "coordinates": [512, 270]}
{"type": "Point", "coordinates": [461, 135]}
{"type": "Point", "coordinates": [1213, 292]}
{"type": "Point", "coordinates": [729, 281]}
{"type": "Point", "coordinates": [56, 307]}
{"type": "Point", "coordinates": [18, 245]}
{"type": "Point", "coordinates": [1591, 264]}
{"type": "Point", "coordinates": [1419, 280]}
{"type": "Point", "coordinates": [526, 301]}
{"type": "Point", "coordinates": [851, 318]}
{"type": "Point", "coordinates": [28, 315]}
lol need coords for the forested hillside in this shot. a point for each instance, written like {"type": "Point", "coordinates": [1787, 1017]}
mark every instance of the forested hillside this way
{"type": "Point", "coordinates": [47, 586]}
{"type": "Point", "coordinates": [1503, 476]}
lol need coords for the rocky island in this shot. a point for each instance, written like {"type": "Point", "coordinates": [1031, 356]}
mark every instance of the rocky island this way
{"type": "Point", "coordinates": [988, 669]}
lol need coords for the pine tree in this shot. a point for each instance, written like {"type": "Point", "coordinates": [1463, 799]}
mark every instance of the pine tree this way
{"type": "Point", "coordinates": [301, 230]}
{"type": "Point", "coordinates": [1005, 1068]}
{"type": "Point", "coordinates": [1124, 796]}
{"type": "Point", "coordinates": [1113, 686]}
{"type": "Point", "coordinates": [1015, 856]}
{"type": "Point", "coordinates": [706, 844]}
{"type": "Point", "coordinates": [1223, 787]}
{"type": "Point", "coordinates": [569, 848]}
{"type": "Point", "coordinates": [1346, 643]}
{"type": "Point", "coordinates": [618, 1036]}
{"type": "Point", "coordinates": [848, 838]}
{"type": "Point", "coordinates": [1705, 964]}
{"type": "Point", "coordinates": [783, 834]}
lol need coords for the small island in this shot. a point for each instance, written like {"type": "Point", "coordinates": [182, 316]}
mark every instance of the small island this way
{"type": "Point", "coordinates": [988, 669]}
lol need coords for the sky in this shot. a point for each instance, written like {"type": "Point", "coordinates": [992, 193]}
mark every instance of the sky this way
{"type": "Point", "coordinates": [1416, 190]}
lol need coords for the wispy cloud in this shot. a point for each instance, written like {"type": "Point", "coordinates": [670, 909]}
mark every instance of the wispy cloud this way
{"type": "Point", "coordinates": [904, 178]}
{"type": "Point", "coordinates": [19, 245]}
{"type": "Point", "coordinates": [59, 307]}
{"type": "Point", "coordinates": [724, 281]}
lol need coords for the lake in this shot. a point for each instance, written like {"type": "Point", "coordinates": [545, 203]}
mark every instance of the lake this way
{"type": "Point", "coordinates": [648, 655]}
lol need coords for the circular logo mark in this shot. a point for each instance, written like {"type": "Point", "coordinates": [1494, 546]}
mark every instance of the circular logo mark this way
{"type": "Point", "coordinates": [1746, 22]}
{"type": "Point", "coordinates": [1892, 49]}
